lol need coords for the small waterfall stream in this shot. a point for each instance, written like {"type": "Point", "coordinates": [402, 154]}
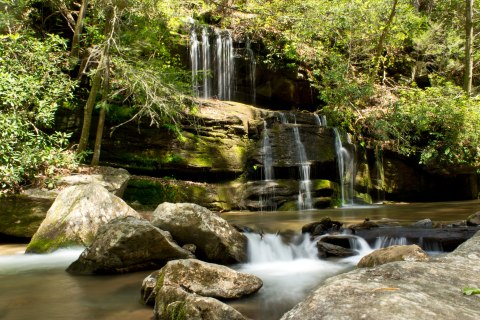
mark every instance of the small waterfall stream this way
{"type": "Point", "coordinates": [206, 64]}
{"type": "Point", "coordinates": [346, 170]}
{"type": "Point", "coordinates": [304, 193]}
{"type": "Point", "coordinates": [252, 71]}
{"type": "Point", "coordinates": [225, 64]}
{"type": "Point", "coordinates": [194, 57]}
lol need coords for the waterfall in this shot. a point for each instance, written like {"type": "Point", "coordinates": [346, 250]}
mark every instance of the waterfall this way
{"type": "Point", "coordinates": [206, 63]}
{"type": "Point", "coordinates": [321, 121]}
{"type": "Point", "coordinates": [194, 55]}
{"type": "Point", "coordinates": [270, 247]}
{"type": "Point", "coordinates": [252, 71]}
{"type": "Point", "coordinates": [304, 194]}
{"type": "Point", "coordinates": [268, 192]}
{"type": "Point", "coordinates": [346, 170]}
{"type": "Point", "coordinates": [225, 64]}
{"type": "Point", "coordinates": [384, 241]}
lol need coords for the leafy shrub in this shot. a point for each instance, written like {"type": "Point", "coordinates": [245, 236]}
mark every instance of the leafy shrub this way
{"type": "Point", "coordinates": [32, 87]}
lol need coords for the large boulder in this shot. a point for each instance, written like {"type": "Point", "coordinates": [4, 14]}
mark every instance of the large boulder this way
{"type": "Point", "coordinates": [128, 244]}
{"type": "Point", "coordinates": [400, 290]}
{"type": "Point", "coordinates": [215, 239]}
{"type": "Point", "coordinates": [76, 216]}
{"type": "Point", "coordinates": [393, 253]}
{"type": "Point", "coordinates": [328, 250]}
{"type": "Point", "coordinates": [195, 284]}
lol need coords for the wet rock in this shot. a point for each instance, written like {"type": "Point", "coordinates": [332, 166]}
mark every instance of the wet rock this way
{"type": "Point", "coordinates": [324, 226]}
{"type": "Point", "coordinates": [128, 244]}
{"type": "Point", "coordinates": [366, 224]}
{"type": "Point", "coordinates": [400, 290]}
{"type": "Point", "coordinates": [393, 253]}
{"type": "Point", "coordinates": [76, 216]}
{"type": "Point", "coordinates": [190, 286]}
{"type": "Point", "coordinates": [215, 239]}
{"type": "Point", "coordinates": [327, 250]}
{"type": "Point", "coordinates": [474, 219]}
{"type": "Point", "coordinates": [147, 292]}
{"type": "Point", "coordinates": [424, 223]}
{"type": "Point", "coordinates": [339, 240]}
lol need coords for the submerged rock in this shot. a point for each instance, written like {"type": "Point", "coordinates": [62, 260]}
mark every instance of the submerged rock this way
{"type": "Point", "coordinates": [425, 223]}
{"type": "Point", "coordinates": [75, 217]}
{"type": "Point", "coordinates": [189, 286]}
{"type": "Point", "coordinates": [215, 239]}
{"type": "Point", "coordinates": [128, 244]}
{"type": "Point", "coordinates": [365, 225]}
{"type": "Point", "coordinates": [393, 253]}
{"type": "Point", "coordinates": [400, 290]}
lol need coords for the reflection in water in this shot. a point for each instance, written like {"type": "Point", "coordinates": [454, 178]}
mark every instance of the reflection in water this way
{"type": "Point", "coordinates": [37, 287]}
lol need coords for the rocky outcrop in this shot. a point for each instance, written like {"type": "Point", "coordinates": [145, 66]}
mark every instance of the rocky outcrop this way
{"type": "Point", "coordinates": [128, 244]}
{"type": "Point", "coordinates": [400, 290]}
{"type": "Point", "coordinates": [189, 287]}
{"type": "Point", "coordinates": [393, 253]}
{"type": "Point", "coordinates": [215, 239]}
{"type": "Point", "coordinates": [76, 216]}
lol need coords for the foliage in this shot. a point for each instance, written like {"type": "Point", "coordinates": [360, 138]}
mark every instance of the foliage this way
{"type": "Point", "coordinates": [440, 124]}
{"type": "Point", "coordinates": [32, 88]}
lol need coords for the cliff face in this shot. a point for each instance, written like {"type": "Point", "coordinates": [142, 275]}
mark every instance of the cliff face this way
{"type": "Point", "coordinates": [230, 156]}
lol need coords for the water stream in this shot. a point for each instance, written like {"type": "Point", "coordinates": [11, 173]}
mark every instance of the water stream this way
{"type": "Point", "coordinates": [37, 287]}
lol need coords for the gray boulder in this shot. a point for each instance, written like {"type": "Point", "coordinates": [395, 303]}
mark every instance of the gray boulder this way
{"type": "Point", "coordinates": [128, 244]}
{"type": "Point", "coordinates": [214, 238]}
{"type": "Point", "coordinates": [327, 250]}
{"type": "Point", "coordinates": [424, 223]}
{"type": "Point", "coordinates": [76, 216]}
{"type": "Point", "coordinates": [189, 287]}
{"type": "Point", "coordinates": [400, 290]}
{"type": "Point", "coordinates": [393, 253]}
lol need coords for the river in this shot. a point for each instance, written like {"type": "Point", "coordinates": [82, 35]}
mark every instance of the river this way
{"type": "Point", "coordinates": [37, 287]}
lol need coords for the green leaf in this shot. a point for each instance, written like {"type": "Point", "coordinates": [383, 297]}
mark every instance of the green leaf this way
{"type": "Point", "coordinates": [470, 291]}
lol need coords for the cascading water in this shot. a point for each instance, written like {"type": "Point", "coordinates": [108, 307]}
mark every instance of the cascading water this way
{"type": "Point", "coordinates": [194, 57]}
{"type": "Point", "coordinates": [206, 63]}
{"type": "Point", "coordinates": [266, 199]}
{"type": "Point", "coordinates": [346, 168]}
{"type": "Point", "coordinates": [252, 71]}
{"type": "Point", "coordinates": [320, 120]}
{"type": "Point", "coordinates": [304, 193]}
{"type": "Point", "coordinates": [225, 64]}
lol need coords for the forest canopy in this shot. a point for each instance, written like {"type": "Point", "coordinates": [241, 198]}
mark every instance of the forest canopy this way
{"type": "Point", "coordinates": [391, 73]}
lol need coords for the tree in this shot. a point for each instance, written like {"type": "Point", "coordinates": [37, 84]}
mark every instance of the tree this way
{"type": "Point", "coordinates": [468, 73]}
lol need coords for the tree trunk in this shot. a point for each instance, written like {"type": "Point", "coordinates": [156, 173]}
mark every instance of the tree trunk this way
{"type": "Point", "coordinates": [467, 85]}
{"type": "Point", "coordinates": [381, 40]}
{"type": "Point", "coordinates": [74, 53]}
{"type": "Point", "coordinates": [97, 81]}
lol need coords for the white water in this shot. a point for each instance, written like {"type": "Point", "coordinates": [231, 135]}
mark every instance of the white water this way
{"type": "Point", "coordinates": [304, 193]}
{"type": "Point", "coordinates": [194, 54]}
{"type": "Point", "coordinates": [289, 271]}
{"type": "Point", "coordinates": [346, 170]}
{"type": "Point", "coordinates": [225, 64]}
{"type": "Point", "coordinates": [19, 263]}
{"type": "Point", "coordinates": [206, 64]}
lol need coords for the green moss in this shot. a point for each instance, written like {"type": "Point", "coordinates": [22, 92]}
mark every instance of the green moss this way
{"type": "Point", "coordinates": [153, 192]}
{"type": "Point", "coordinates": [322, 184]}
{"type": "Point", "coordinates": [43, 245]}
{"type": "Point", "coordinates": [177, 311]}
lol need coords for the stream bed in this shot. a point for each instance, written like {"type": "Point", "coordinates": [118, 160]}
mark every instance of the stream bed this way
{"type": "Point", "coordinates": [37, 287]}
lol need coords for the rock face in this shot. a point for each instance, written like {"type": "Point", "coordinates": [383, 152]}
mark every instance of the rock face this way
{"type": "Point", "coordinates": [75, 217]}
{"type": "Point", "coordinates": [189, 223]}
{"type": "Point", "coordinates": [188, 287]}
{"type": "Point", "coordinates": [128, 244]}
{"type": "Point", "coordinates": [393, 253]}
{"type": "Point", "coordinates": [335, 246]}
{"type": "Point", "coordinates": [400, 290]}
